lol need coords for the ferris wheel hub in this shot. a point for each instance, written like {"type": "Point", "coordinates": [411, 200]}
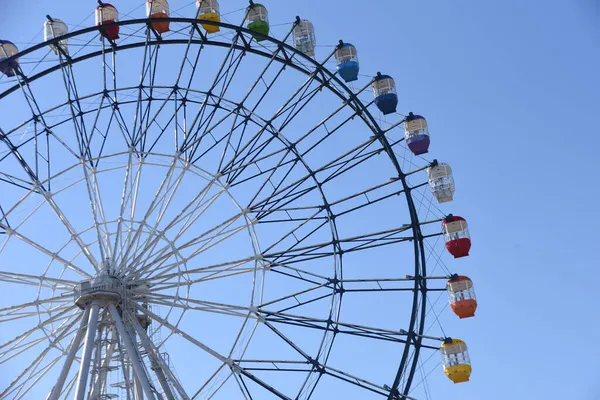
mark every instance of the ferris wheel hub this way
{"type": "Point", "coordinates": [102, 290]}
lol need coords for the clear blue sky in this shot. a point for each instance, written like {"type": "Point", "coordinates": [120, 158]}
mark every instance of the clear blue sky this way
{"type": "Point", "coordinates": [512, 93]}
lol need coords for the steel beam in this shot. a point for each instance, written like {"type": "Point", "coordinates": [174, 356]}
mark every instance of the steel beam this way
{"type": "Point", "coordinates": [88, 347]}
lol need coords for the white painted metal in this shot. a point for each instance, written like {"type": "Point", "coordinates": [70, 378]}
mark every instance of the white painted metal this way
{"type": "Point", "coordinates": [88, 347]}
{"type": "Point", "coordinates": [75, 344]}
{"type": "Point", "coordinates": [132, 353]}
{"type": "Point", "coordinates": [162, 371]}
{"type": "Point", "coordinates": [104, 366]}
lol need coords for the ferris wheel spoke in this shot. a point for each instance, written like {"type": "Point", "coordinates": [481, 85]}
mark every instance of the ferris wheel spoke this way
{"type": "Point", "coordinates": [129, 198]}
{"type": "Point", "coordinates": [235, 172]}
{"type": "Point", "coordinates": [255, 84]}
{"type": "Point", "coordinates": [186, 219]}
{"type": "Point", "coordinates": [249, 154]}
{"type": "Point", "coordinates": [70, 356]}
{"type": "Point", "coordinates": [146, 88]}
{"type": "Point", "coordinates": [47, 131]}
{"type": "Point", "coordinates": [18, 342]}
{"type": "Point", "coordinates": [69, 227]}
{"type": "Point", "coordinates": [337, 327]}
{"type": "Point", "coordinates": [210, 379]}
{"type": "Point", "coordinates": [125, 199]}
{"type": "Point", "coordinates": [310, 300]}
{"type": "Point", "coordinates": [32, 280]}
{"type": "Point", "coordinates": [299, 254]}
{"type": "Point", "coordinates": [201, 245]}
{"type": "Point", "coordinates": [75, 107]}
{"type": "Point", "coordinates": [281, 197]}
{"type": "Point", "coordinates": [242, 386]}
{"type": "Point", "coordinates": [148, 245]}
{"type": "Point", "coordinates": [161, 278]}
{"type": "Point", "coordinates": [351, 159]}
{"type": "Point", "coordinates": [207, 236]}
{"type": "Point", "coordinates": [144, 264]}
{"type": "Point", "coordinates": [37, 303]}
{"type": "Point", "coordinates": [60, 215]}
{"type": "Point", "coordinates": [109, 68]}
{"type": "Point", "coordinates": [193, 142]}
{"type": "Point", "coordinates": [331, 129]}
{"type": "Point", "coordinates": [34, 377]}
{"type": "Point", "coordinates": [97, 209]}
{"type": "Point", "coordinates": [234, 264]}
{"type": "Point", "coordinates": [71, 385]}
{"type": "Point", "coordinates": [166, 379]}
{"type": "Point", "coordinates": [297, 226]}
{"type": "Point", "coordinates": [65, 331]}
{"type": "Point", "coordinates": [194, 29]}
{"type": "Point", "coordinates": [15, 315]}
{"type": "Point", "coordinates": [199, 305]}
{"type": "Point", "coordinates": [229, 61]}
{"type": "Point", "coordinates": [54, 256]}
{"type": "Point", "coordinates": [236, 368]}
{"type": "Point", "coordinates": [33, 170]}
{"type": "Point", "coordinates": [134, 240]}
{"type": "Point", "coordinates": [181, 333]}
{"type": "Point", "coordinates": [319, 368]}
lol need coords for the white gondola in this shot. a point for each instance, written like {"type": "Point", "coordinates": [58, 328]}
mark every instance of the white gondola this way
{"type": "Point", "coordinates": [54, 28]}
{"type": "Point", "coordinates": [441, 182]}
{"type": "Point", "coordinates": [304, 37]}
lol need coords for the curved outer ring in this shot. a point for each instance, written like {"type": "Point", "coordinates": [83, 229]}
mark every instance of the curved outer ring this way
{"type": "Point", "coordinates": [420, 286]}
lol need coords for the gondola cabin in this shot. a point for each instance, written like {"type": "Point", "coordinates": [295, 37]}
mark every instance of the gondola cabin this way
{"type": "Point", "coordinates": [416, 134]}
{"type": "Point", "coordinates": [455, 360]}
{"type": "Point", "coordinates": [7, 50]}
{"type": "Point", "coordinates": [456, 234]}
{"type": "Point", "coordinates": [304, 37]}
{"type": "Point", "coordinates": [441, 182]}
{"type": "Point", "coordinates": [54, 28]}
{"type": "Point", "coordinates": [461, 296]}
{"type": "Point", "coordinates": [384, 91]}
{"type": "Point", "coordinates": [257, 19]}
{"type": "Point", "coordinates": [346, 57]}
{"type": "Point", "coordinates": [208, 10]}
{"type": "Point", "coordinates": [158, 9]}
{"type": "Point", "coordinates": [107, 14]}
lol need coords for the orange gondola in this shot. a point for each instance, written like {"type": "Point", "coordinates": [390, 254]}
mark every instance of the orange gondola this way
{"type": "Point", "coordinates": [461, 296]}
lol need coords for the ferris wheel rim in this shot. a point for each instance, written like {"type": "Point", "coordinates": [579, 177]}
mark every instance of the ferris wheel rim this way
{"type": "Point", "coordinates": [348, 96]}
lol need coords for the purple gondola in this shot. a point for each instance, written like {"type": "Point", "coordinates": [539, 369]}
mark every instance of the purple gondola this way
{"type": "Point", "coordinates": [8, 66]}
{"type": "Point", "coordinates": [416, 134]}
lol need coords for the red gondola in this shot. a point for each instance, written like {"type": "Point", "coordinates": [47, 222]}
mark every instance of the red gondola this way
{"type": "Point", "coordinates": [456, 233]}
{"type": "Point", "coordinates": [107, 14]}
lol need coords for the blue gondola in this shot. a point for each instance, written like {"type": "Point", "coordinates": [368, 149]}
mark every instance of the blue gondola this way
{"type": "Point", "coordinates": [347, 61]}
{"type": "Point", "coordinates": [384, 90]}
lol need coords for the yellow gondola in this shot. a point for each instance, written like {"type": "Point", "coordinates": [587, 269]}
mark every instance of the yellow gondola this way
{"type": "Point", "coordinates": [209, 10]}
{"type": "Point", "coordinates": [455, 360]}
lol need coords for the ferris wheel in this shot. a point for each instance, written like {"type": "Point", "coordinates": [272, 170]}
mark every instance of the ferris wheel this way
{"type": "Point", "coordinates": [194, 206]}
